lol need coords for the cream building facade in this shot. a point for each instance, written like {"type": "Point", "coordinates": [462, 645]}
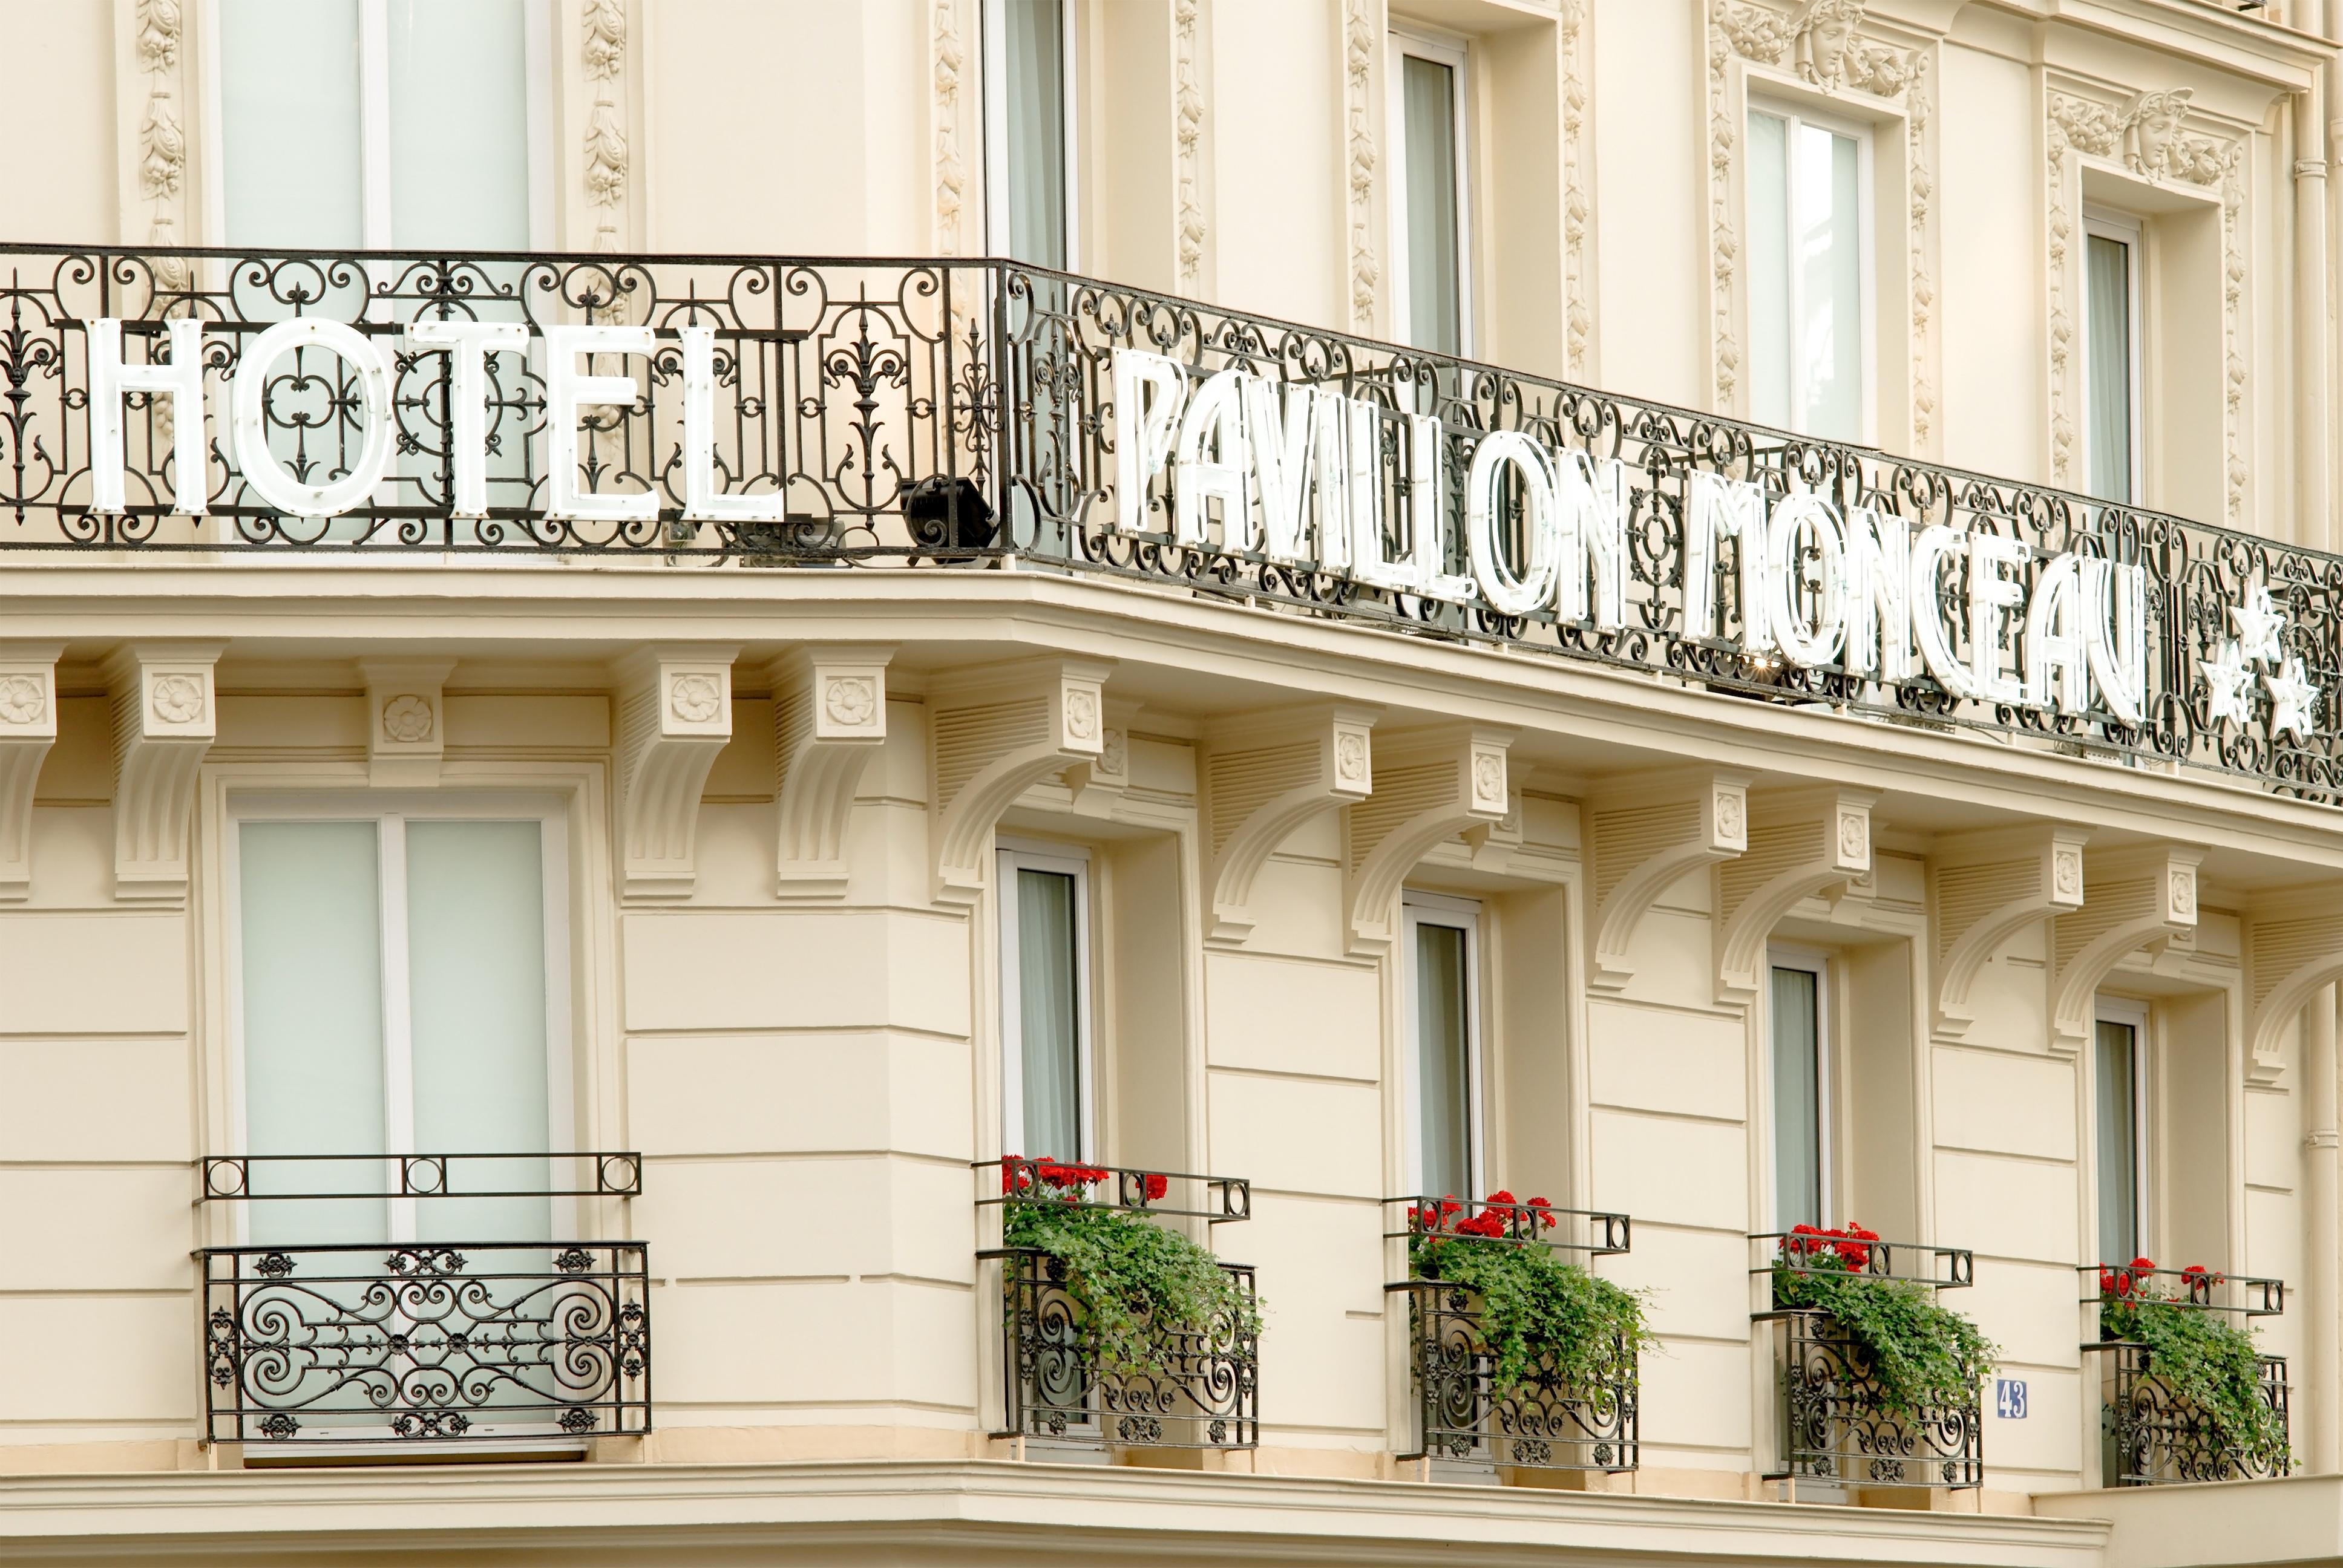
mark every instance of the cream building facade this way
{"type": "Point", "coordinates": [1719, 610]}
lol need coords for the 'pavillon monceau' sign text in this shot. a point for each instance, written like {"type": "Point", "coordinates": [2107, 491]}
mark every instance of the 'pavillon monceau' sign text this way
{"type": "Point", "coordinates": [1292, 470]}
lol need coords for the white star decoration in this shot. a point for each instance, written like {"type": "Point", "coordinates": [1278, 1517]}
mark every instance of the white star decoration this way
{"type": "Point", "coordinates": [2257, 622]}
{"type": "Point", "coordinates": [2294, 701]}
{"type": "Point", "coordinates": [2230, 680]}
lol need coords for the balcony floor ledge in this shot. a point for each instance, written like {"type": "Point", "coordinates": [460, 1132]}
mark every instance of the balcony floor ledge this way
{"type": "Point", "coordinates": [896, 1511]}
{"type": "Point", "coordinates": [2228, 1524]}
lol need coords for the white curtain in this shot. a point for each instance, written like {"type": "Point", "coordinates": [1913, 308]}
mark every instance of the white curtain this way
{"type": "Point", "coordinates": [1035, 101]}
{"type": "Point", "coordinates": [1442, 1043]}
{"type": "Point", "coordinates": [2107, 341]}
{"type": "Point", "coordinates": [291, 166]}
{"type": "Point", "coordinates": [1805, 268]}
{"type": "Point", "coordinates": [1049, 1007]}
{"type": "Point", "coordinates": [458, 125]}
{"type": "Point", "coordinates": [1435, 308]}
{"type": "Point", "coordinates": [1798, 1100]}
{"type": "Point", "coordinates": [2118, 1128]}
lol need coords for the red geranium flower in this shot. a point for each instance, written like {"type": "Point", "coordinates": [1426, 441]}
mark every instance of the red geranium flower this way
{"type": "Point", "coordinates": [1156, 1186]}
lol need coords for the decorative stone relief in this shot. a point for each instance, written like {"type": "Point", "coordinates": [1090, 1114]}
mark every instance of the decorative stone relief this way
{"type": "Point", "coordinates": [164, 723]}
{"type": "Point", "coordinates": [1822, 41]}
{"type": "Point", "coordinates": [675, 715]}
{"type": "Point", "coordinates": [2147, 135]}
{"type": "Point", "coordinates": [28, 728]}
{"type": "Point", "coordinates": [407, 740]}
{"type": "Point", "coordinates": [406, 718]}
{"type": "Point", "coordinates": [2294, 950]}
{"type": "Point", "coordinates": [604, 25]}
{"type": "Point", "coordinates": [1986, 888]}
{"type": "Point", "coordinates": [163, 141]}
{"type": "Point", "coordinates": [829, 722]}
{"type": "Point", "coordinates": [948, 58]}
{"type": "Point", "coordinates": [1578, 311]}
{"type": "Point", "coordinates": [1359, 42]}
{"type": "Point", "coordinates": [1800, 843]}
{"type": "Point", "coordinates": [2140, 899]}
{"type": "Point", "coordinates": [1187, 128]}
{"type": "Point", "coordinates": [694, 697]}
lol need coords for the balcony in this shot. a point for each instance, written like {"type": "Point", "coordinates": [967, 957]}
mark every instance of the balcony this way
{"type": "Point", "coordinates": [787, 412]}
{"type": "Point", "coordinates": [340, 1346]}
{"type": "Point", "coordinates": [1181, 1382]}
{"type": "Point", "coordinates": [1553, 1415]}
{"type": "Point", "coordinates": [1835, 1421]}
{"type": "Point", "coordinates": [2153, 1434]}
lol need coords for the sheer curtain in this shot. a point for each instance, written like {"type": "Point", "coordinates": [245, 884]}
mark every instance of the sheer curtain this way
{"type": "Point", "coordinates": [2106, 342]}
{"type": "Point", "coordinates": [1443, 1044]}
{"type": "Point", "coordinates": [1804, 265]}
{"type": "Point", "coordinates": [1049, 1021]}
{"type": "Point", "coordinates": [292, 170]}
{"type": "Point", "coordinates": [1435, 304]}
{"type": "Point", "coordinates": [1035, 119]}
{"type": "Point", "coordinates": [2119, 1129]}
{"type": "Point", "coordinates": [458, 72]}
{"type": "Point", "coordinates": [1797, 1098]}
{"type": "Point", "coordinates": [1767, 168]}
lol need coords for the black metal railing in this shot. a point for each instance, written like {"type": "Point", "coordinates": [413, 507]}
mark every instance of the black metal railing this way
{"type": "Point", "coordinates": [1549, 1419]}
{"type": "Point", "coordinates": [1833, 1421]}
{"type": "Point", "coordinates": [2152, 1436]}
{"type": "Point", "coordinates": [1201, 1386]}
{"type": "Point", "coordinates": [326, 1340]}
{"type": "Point", "coordinates": [932, 412]}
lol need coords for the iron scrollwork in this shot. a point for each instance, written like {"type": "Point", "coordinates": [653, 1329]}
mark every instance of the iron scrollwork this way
{"type": "Point", "coordinates": [1546, 1421]}
{"type": "Point", "coordinates": [2153, 1436]}
{"type": "Point", "coordinates": [1835, 1423]}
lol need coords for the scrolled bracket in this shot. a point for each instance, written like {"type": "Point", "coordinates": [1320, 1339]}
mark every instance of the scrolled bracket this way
{"type": "Point", "coordinates": [1984, 888]}
{"type": "Point", "coordinates": [1642, 844]}
{"type": "Point", "coordinates": [1427, 789]}
{"type": "Point", "coordinates": [2294, 948]}
{"type": "Point", "coordinates": [1800, 843]}
{"type": "Point", "coordinates": [165, 717]}
{"type": "Point", "coordinates": [675, 713]}
{"type": "Point", "coordinates": [2139, 899]}
{"type": "Point", "coordinates": [1264, 778]}
{"type": "Point", "coordinates": [829, 720]}
{"type": "Point", "coordinates": [994, 734]}
{"type": "Point", "coordinates": [28, 728]}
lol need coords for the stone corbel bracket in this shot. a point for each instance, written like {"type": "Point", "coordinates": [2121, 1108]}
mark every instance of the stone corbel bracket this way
{"type": "Point", "coordinates": [1642, 844]}
{"type": "Point", "coordinates": [1426, 790]}
{"type": "Point", "coordinates": [406, 719]}
{"type": "Point", "coordinates": [675, 713]}
{"type": "Point", "coordinates": [1986, 888]}
{"type": "Point", "coordinates": [2139, 899]}
{"type": "Point", "coordinates": [2294, 947]}
{"type": "Point", "coordinates": [829, 720]}
{"type": "Point", "coordinates": [166, 716]}
{"type": "Point", "coordinates": [28, 727]}
{"type": "Point", "coordinates": [1102, 780]}
{"type": "Point", "coordinates": [1801, 843]}
{"type": "Point", "coordinates": [1264, 776]}
{"type": "Point", "coordinates": [994, 734]}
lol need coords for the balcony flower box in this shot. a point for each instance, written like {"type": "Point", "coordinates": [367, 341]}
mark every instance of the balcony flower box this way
{"type": "Point", "coordinates": [2185, 1393]}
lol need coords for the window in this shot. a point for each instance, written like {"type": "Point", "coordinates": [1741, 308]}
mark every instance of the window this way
{"type": "Point", "coordinates": [1441, 936]}
{"type": "Point", "coordinates": [1801, 1092]}
{"type": "Point", "coordinates": [1028, 131]}
{"type": "Point", "coordinates": [381, 124]}
{"type": "Point", "coordinates": [1429, 228]}
{"type": "Point", "coordinates": [1809, 273]}
{"type": "Point", "coordinates": [1045, 1004]}
{"type": "Point", "coordinates": [2111, 343]}
{"type": "Point", "coordinates": [2119, 1071]}
{"type": "Point", "coordinates": [401, 987]}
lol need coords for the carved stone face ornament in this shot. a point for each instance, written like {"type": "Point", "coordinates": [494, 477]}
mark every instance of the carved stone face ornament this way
{"type": "Point", "coordinates": [1827, 40]}
{"type": "Point", "coordinates": [2152, 141]}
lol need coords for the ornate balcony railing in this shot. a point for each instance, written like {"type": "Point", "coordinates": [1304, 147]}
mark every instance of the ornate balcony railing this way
{"type": "Point", "coordinates": [328, 1341]}
{"type": "Point", "coordinates": [1547, 1421]}
{"type": "Point", "coordinates": [1202, 1387]}
{"type": "Point", "coordinates": [795, 411]}
{"type": "Point", "coordinates": [1833, 1422]}
{"type": "Point", "coordinates": [2153, 1436]}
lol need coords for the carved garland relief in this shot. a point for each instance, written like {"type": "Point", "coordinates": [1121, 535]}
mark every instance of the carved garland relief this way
{"type": "Point", "coordinates": [2146, 133]}
{"type": "Point", "coordinates": [1577, 311]}
{"type": "Point", "coordinates": [1822, 42]}
{"type": "Point", "coordinates": [1359, 41]}
{"type": "Point", "coordinates": [603, 25]}
{"type": "Point", "coordinates": [1189, 129]}
{"type": "Point", "coordinates": [951, 176]}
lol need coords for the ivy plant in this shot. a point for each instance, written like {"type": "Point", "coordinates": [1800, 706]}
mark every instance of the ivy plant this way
{"type": "Point", "coordinates": [1921, 1355]}
{"type": "Point", "coordinates": [1132, 1278]}
{"type": "Point", "coordinates": [2199, 1354]}
{"type": "Point", "coordinates": [1541, 1316]}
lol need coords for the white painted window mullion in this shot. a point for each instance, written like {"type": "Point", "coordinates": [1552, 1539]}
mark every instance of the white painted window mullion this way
{"type": "Point", "coordinates": [398, 1023]}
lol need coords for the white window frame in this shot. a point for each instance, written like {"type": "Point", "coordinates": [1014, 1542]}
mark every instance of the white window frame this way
{"type": "Point", "coordinates": [995, 98]}
{"type": "Point", "coordinates": [1863, 134]}
{"type": "Point", "coordinates": [1419, 908]}
{"type": "Point", "coordinates": [390, 813]}
{"type": "Point", "coordinates": [1816, 964]}
{"type": "Point", "coordinates": [1065, 859]}
{"type": "Point", "coordinates": [2133, 1015]}
{"type": "Point", "coordinates": [374, 122]}
{"type": "Point", "coordinates": [2104, 223]}
{"type": "Point", "coordinates": [1455, 53]}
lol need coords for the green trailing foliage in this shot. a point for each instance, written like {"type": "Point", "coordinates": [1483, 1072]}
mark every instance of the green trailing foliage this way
{"type": "Point", "coordinates": [2200, 1354]}
{"type": "Point", "coordinates": [1541, 1317]}
{"type": "Point", "coordinates": [1921, 1355]}
{"type": "Point", "coordinates": [1132, 1278]}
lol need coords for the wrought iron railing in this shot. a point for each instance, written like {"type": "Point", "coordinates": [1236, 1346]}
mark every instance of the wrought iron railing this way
{"type": "Point", "coordinates": [1202, 1386]}
{"type": "Point", "coordinates": [326, 1341]}
{"type": "Point", "coordinates": [934, 412]}
{"type": "Point", "coordinates": [1546, 1420]}
{"type": "Point", "coordinates": [2152, 1436]}
{"type": "Point", "coordinates": [1833, 1421]}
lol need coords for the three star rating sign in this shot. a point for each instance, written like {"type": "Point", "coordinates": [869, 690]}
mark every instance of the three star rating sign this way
{"type": "Point", "coordinates": [2229, 676]}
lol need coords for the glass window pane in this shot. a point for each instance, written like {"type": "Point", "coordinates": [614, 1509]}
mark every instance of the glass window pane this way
{"type": "Point", "coordinates": [1769, 269]}
{"type": "Point", "coordinates": [290, 163]}
{"type": "Point", "coordinates": [476, 968]}
{"type": "Point", "coordinates": [1034, 100]}
{"type": "Point", "coordinates": [1443, 1050]}
{"type": "Point", "coordinates": [2119, 1129]}
{"type": "Point", "coordinates": [1830, 283]}
{"type": "Point", "coordinates": [1798, 1100]}
{"type": "Point", "coordinates": [458, 125]}
{"type": "Point", "coordinates": [1049, 1005]}
{"type": "Point", "coordinates": [1434, 307]}
{"type": "Point", "coordinates": [2106, 342]}
{"type": "Point", "coordinates": [313, 1041]}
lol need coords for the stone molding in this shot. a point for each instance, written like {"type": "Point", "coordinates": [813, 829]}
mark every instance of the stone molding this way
{"type": "Point", "coordinates": [2139, 899]}
{"type": "Point", "coordinates": [675, 715]}
{"type": "Point", "coordinates": [406, 719]}
{"type": "Point", "coordinates": [1800, 842]}
{"type": "Point", "coordinates": [1426, 788]}
{"type": "Point", "coordinates": [1982, 889]}
{"type": "Point", "coordinates": [166, 716]}
{"type": "Point", "coordinates": [28, 728]}
{"type": "Point", "coordinates": [829, 720]}
{"type": "Point", "coordinates": [1642, 842]}
{"type": "Point", "coordinates": [1262, 778]}
{"type": "Point", "coordinates": [993, 734]}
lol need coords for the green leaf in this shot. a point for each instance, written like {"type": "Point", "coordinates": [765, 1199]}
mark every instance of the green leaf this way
{"type": "Point", "coordinates": [1922, 1354]}
{"type": "Point", "coordinates": [2210, 1363]}
{"type": "Point", "coordinates": [1539, 1315]}
{"type": "Point", "coordinates": [1133, 1280]}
